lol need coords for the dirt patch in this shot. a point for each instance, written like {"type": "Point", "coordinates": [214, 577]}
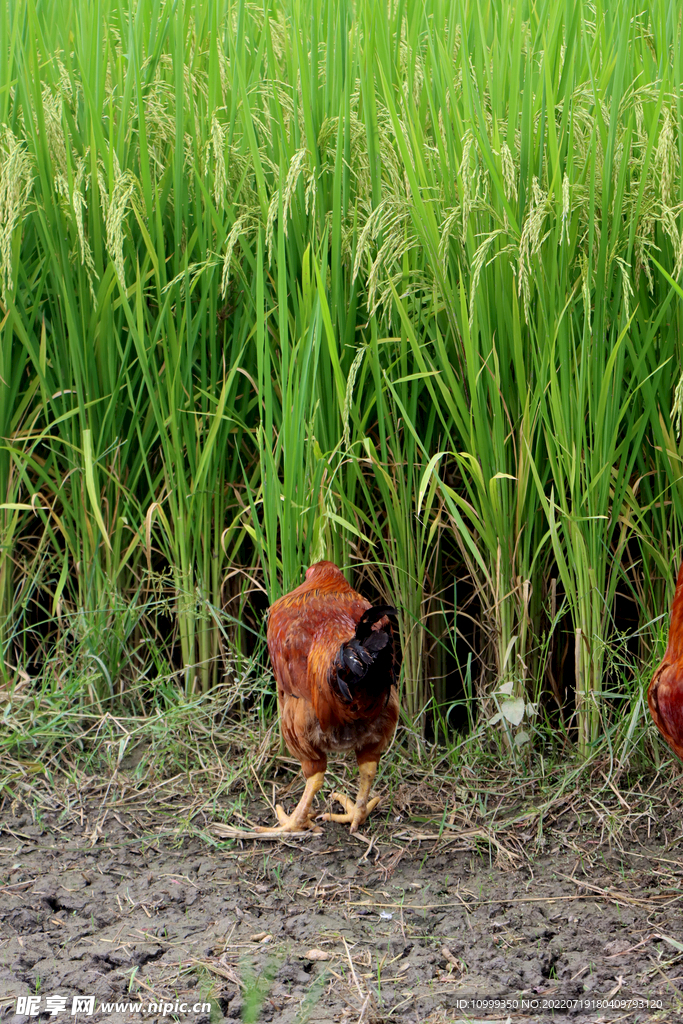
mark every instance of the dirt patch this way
{"type": "Point", "coordinates": [408, 923]}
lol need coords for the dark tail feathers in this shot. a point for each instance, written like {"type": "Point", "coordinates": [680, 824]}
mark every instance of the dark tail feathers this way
{"type": "Point", "coordinates": [370, 657]}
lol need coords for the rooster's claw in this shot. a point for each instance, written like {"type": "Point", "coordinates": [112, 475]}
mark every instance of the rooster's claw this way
{"type": "Point", "coordinates": [355, 814]}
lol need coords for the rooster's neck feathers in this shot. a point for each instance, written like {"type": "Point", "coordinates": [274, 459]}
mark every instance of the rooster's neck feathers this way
{"type": "Point", "coordinates": [323, 578]}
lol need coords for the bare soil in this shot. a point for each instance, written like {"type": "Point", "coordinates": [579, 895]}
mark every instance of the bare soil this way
{"type": "Point", "coordinates": [419, 919]}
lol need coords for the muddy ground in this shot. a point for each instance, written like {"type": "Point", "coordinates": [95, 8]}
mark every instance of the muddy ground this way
{"type": "Point", "coordinates": [415, 920]}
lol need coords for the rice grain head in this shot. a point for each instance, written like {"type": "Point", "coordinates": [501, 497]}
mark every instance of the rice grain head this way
{"type": "Point", "coordinates": [668, 221]}
{"type": "Point", "coordinates": [123, 196]}
{"type": "Point", "coordinates": [509, 173]}
{"type": "Point", "coordinates": [16, 182]}
{"type": "Point", "coordinates": [468, 142]}
{"type": "Point", "coordinates": [78, 205]}
{"type": "Point", "coordinates": [54, 129]}
{"type": "Point", "coordinates": [348, 397]}
{"type": "Point", "coordinates": [666, 159]}
{"type": "Point", "coordinates": [626, 287]}
{"type": "Point", "coordinates": [644, 241]}
{"type": "Point", "coordinates": [235, 231]}
{"type": "Point", "coordinates": [446, 231]}
{"type": "Point", "coordinates": [219, 177]}
{"type": "Point", "coordinates": [296, 167]}
{"type": "Point", "coordinates": [677, 408]}
{"type": "Point", "coordinates": [369, 230]}
{"type": "Point", "coordinates": [270, 224]}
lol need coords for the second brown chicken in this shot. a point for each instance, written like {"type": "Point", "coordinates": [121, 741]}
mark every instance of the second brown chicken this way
{"type": "Point", "coordinates": [335, 659]}
{"type": "Point", "coordinates": [665, 694]}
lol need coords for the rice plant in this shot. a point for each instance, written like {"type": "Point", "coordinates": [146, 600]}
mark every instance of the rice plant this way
{"type": "Point", "coordinates": [390, 285]}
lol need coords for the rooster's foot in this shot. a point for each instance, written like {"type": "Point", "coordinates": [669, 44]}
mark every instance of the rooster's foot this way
{"type": "Point", "coordinates": [356, 812]}
{"type": "Point", "coordinates": [290, 823]}
{"type": "Point", "coordinates": [300, 819]}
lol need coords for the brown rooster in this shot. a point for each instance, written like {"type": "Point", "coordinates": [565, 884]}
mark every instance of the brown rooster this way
{"type": "Point", "coordinates": [335, 659]}
{"type": "Point", "coordinates": [665, 695]}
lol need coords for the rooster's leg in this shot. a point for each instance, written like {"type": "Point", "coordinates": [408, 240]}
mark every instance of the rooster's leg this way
{"type": "Point", "coordinates": [358, 812]}
{"type": "Point", "coordinates": [300, 818]}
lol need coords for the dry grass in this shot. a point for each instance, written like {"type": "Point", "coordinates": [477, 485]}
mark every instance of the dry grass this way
{"type": "Point", "coordinates": [510, 825]}
{"type": "Point", "coordinates": [202, 767]}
